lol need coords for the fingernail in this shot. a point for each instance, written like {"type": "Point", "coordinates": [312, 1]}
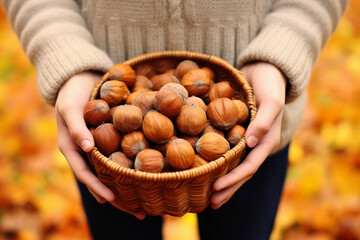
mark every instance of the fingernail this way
{"type": "Point", "coordinates": [251, 141]}
{"type": "Point", "coordinates": [216, 206]}
{"type": "Point", "coordinates": [100, 200]}
{"type": "Point", "coordinates": [85, 145]}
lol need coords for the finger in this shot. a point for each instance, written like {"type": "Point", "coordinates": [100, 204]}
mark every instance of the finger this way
{"type": "Point", "coordinates": [220, 198]}
{"type": "Point", "coordinates": [97, 197]}
{"type": "Point", "coordinates": [140, 216]}
{"type": "Point", "coordinates": [80, 134]}
{"type": "Point", "coordinates": [245, 170]}
{"type": "Point", "coordinates": [80, 167]}
{"type": "Point", "coordinates": [253, 160]}
{"type": "Point", "coordinates": [268, 111]}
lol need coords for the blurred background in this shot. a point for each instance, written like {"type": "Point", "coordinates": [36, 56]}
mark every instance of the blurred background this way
{"type": "Point", "coordinates": [321, 200]}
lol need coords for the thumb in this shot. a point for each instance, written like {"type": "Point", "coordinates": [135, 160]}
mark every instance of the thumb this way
{"type": "Point", "coordinates": [261, 125]}
{"type": "Point", "coordinates": [78, 130]}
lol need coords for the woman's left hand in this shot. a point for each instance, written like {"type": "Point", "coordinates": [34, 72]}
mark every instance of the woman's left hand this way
{"type": "Point", "coordinates": [263, 133]}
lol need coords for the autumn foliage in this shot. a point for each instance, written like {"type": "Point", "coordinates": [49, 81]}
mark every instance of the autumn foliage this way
{"type": "Point", "coordinates": [321, 201]}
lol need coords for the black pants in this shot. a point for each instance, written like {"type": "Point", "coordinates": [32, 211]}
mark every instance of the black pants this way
{"type": "Point", "coordinates": [248, 215]}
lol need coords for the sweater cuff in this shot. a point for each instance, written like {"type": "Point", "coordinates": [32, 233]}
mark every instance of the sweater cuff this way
{"type": "Point", "coordinates": [64, 57]}
{"type": "Point", "coordinates": [285, 49]}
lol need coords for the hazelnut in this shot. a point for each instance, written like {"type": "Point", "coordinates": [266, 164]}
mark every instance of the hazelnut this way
{"type": "Point", "coordinates": [243, 111]}
{"type": "Point", "coordinates": [180, 154]}
{"type": "Point", "coordinates": [235, 134]}
{"type": "Point", "coordinates": [133, 143]}
{"type": "Point", "coordinates": [161, 79]}
{"type": "Point", "coordinates": [145, 101]}
{"type": "Point", "coordinates": [191, 120]}
{"type": "Point", "coordinates": [157, 127]}
{"type": "Point", "coordinates": [97, 112]}
{"type": "Point", "coordinates": [196, 82]}
{"type": "Point", "coordinates": [123, 72]}
{"type": "Point", "coordinates": [121, 159]}
{"type": "Point", "coordinates": [199, 161]}
{"type": "Point", "coordinates": [221, 89]}
{"type": "Point", "coordinates": [223, 113]}
{"type": "Point", "coordinates": [149, 160]}
{"type": "Point", "coordinates": [127, 118]}
{"type": "Point", "coordinates": [211, 146]}
{"type": "Point", "coordinates": [168, 102]}
{"type": "Point", "coordinates": [114, 92]}
{"type": "Point", "coordinates": [107, 138]}
{"type": "Point", "coordinates": [183, 67]}
{"type": "Point", "coordinates": [194, 100]}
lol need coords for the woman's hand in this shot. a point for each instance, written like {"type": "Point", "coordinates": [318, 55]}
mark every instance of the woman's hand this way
{"type": "Point", "coordinates": [263, 134]}
{"type": "Point", "coordinates": [74, 138]}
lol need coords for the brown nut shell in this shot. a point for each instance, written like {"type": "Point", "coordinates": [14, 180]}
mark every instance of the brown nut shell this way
{"type": "Point", "coordinates": [210, 128]}
{"type": "Point", "coordinates": [149, 160]}
{"type": "Point", "coordinates": [211, 146]}
{"type": "Point", "coordinates": [121, 159]}
{"type": "Point", "coordinates": [184, 66]}
{"type": "Point", "coordinates": [133, 143]}
{"type": "Point", "coordinates": [127, 118]}
{"type": "Point", "coordinates": [162, 147]}
{"type": "Point", "coordinates": [221, 89]}
{"type": "Point", "coordinates": [178, 88]}
{"type": "Point", "coordinates": [162, 65]}
{"type": "Point", "coordinates": [191, 120]}
{"type": "Point", "coordinates": [157, 127]}
{"type": "Point", "coordinates": [180, 154]}
{"type": "Point", "coordinates": [168, 102]}
{"type": "Point", "coordinates": [160, 80]}
{"type": "Point", "coordinates": [124, 73]}
{"type": "Point", "coordinates": [199, 161]}
{"type": "Point", "coordinates": [235, 134]}
{"type": "Point", "coordinates": [143, 82]}
{"type": "Point", "coordinates": [132, 95]}
{"type": "Point", "coordinates": [145, 101]}
{"type": "Point", "coordinates": [194, 100]}
{"type": "Point", "coordinates": [196, 82]}
{"type": "Point", "coordinates": [114, 92]}
{"type": "Point", "coordinates": [210, 72]}
{"type": "Point", "coordinates": [96, 112]}
{"type": "Point", "coordinates": [145, 69]}
{"type": "Point", "coordinates": [191, 139]}
{"type": "Point", "coordinates": [223, 113]}
{"type": "Point", "coordinates": [243, 111]}
{"type": "Point", "coordinates": [107, 138]}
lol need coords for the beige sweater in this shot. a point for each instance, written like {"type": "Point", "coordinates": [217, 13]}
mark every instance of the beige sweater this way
{"type": "Point", "coordinates": [65, 37]}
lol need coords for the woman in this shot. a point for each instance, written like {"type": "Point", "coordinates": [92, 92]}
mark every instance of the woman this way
{"type": "Point", "coordinates": [275, 43]}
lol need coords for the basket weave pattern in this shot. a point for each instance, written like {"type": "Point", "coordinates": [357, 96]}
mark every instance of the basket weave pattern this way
{"type": "Point", "coordinates": [173, 193]}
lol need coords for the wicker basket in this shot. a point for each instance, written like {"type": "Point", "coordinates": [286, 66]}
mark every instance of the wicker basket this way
{"type": "Point", "coordinates": [180, 192]}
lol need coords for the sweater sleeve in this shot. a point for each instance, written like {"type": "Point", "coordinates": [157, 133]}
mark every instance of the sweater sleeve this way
{"type": "Point", "coordinates": [291, 37]}
{"type": "Point", "coordinates": [56, 40]}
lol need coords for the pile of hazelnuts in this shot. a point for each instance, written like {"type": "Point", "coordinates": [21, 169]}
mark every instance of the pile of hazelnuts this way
{"type": "Point", "coordinates": [165, 115]}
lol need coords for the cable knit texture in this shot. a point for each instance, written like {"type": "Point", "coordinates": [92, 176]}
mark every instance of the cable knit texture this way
{"type": "Point", "coordinates": [62, 38]}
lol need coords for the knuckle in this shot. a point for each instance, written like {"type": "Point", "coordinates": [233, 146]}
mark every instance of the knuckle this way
{"type": "Point", "coordinates": [61, 107]}
{"type": "Point", "coordinates": [81, 176]}
{"type": "Point", "coordinates": [277, 140]}
{"type": "Point", "coordinates": [251, 170]}
{"type": "Point", "coordinates": [279, 102]}
{"type": "Point", "coordinates": [65, 108]}
{"type": "Point", "coordinates": [251, 174]}
{"type": "Point", "coordinates": [264, 127]}
{"type": "Point", "coordinates": [75, 133]}
{"type": "Point", "coordinates": [61, 146]}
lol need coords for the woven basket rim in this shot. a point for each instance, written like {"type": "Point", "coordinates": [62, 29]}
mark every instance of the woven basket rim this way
{"type": "Point", "coordinates": [192, 172]}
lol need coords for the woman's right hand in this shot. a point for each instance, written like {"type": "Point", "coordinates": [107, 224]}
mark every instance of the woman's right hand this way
{"type": "Point", "coordinates": [74, 138]}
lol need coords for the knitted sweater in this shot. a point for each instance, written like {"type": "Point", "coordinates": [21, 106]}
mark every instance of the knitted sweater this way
{"type": "Point", "coordinates": [62, 38]}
